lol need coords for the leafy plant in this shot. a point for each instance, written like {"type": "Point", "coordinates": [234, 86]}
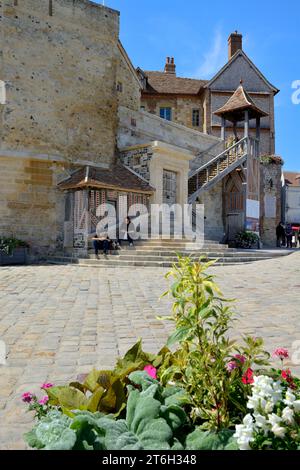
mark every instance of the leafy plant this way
{"type": "Point", "coordinates": [104, 390]}
{"type": "Point", "coordinates": [155, 420]}
{"type": "Point", "coordinates": [206, 364]}
{"type": "Point", "coordinates": [246, 239]}
{"type": "Point", "coordinates": [9, 244]}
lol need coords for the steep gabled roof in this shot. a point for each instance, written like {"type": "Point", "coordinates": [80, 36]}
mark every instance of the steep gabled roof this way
{"type": "Point", "coordinates": [239, 102]}
{"type": "Point", "coordinates": [117, 177]}
{"type": "Point", "coordinates": [233, 58]}
{"type": "Point", "coordinates": [168, 83]}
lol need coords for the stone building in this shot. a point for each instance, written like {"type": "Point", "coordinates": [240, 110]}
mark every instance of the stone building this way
{"type": "Point", "coordinates": [192, 103]}
{"type": "Point", "coordinates": [291, 198]}
{"type": "Point", "coordinates": [73, 134]}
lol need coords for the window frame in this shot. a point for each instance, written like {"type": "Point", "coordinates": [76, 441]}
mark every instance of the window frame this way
{"type": "Point", "coordinates": [163, 110]}
{"type": "Point", "coordinates": [196, 117]}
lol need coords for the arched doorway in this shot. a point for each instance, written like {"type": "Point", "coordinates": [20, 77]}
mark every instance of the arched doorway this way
{"type": "Point", "coordinates": [234, 203]}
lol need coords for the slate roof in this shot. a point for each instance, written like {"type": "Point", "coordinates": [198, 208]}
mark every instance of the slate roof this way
{"type": "Point", "coordinates": [239, 102]}
{"type": "Point", "coordinates": [116, 177]}
{"type": "Point", "coordinates": [168, 83]}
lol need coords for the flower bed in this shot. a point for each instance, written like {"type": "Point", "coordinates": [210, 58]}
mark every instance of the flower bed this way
{"type": "Point", "coordinates": [208, 394]}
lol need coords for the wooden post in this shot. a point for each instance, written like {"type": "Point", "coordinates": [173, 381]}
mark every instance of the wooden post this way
{"type": "Point", "coordinates": [223, 128]}
{"type": "Point", "coordinates": [258, 128]}
{"type": "Point", "coordinates": [247, 123]}
{"type": "Point", "coordinates": [257, 136]}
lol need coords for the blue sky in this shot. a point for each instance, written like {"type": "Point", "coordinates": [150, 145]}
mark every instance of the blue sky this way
{"type": "Point", "coordinates": [196, 35]}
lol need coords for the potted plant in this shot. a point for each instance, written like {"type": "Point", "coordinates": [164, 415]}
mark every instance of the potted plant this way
{"type": "Point", "coordinates": [13, 251]}
{"type": "Point", "coordinates": [246, 239]}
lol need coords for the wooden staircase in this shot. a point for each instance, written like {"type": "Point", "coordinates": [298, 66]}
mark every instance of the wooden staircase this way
{"type": "Point", "coordinates": [216, 169]}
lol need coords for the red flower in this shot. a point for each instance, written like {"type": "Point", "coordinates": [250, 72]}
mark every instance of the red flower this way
{"type": "Point", "coordinates": [247, 378]}
{"type": "Point", "coordinates": [287, 375]}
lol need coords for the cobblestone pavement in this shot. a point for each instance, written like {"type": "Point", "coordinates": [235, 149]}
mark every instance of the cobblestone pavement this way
{"type": "Point", "coordinates": [60, 321]}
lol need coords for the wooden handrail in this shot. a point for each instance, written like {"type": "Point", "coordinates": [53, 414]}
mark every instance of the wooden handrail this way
{"type": "Point", "coordinates": [218, 157]}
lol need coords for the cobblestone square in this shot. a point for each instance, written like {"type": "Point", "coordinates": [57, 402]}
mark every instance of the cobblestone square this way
{"type": "Point", "coordinates": [60, 321]}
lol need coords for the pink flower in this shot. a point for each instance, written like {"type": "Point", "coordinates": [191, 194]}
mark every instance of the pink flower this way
{"type": "Point", "coordinates": [44, 400]}
{"type": "Point", "coordinates": [281, 353]}
{"type": "Point", "coordinates": [232, 365]}
{"type": "Point", "coordinates": [27, 397]}
{"type": "Point", "coordinates": [151, 371]}
{"type": "Point", "coordinates": [47, 385]}
{"type": "Point", "coordinates": [240, 358]}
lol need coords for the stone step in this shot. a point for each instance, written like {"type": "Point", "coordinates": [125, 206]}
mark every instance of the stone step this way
{"type": "Point", "coordinates": [173, 256]}
{"type": "Point", "coordinates": [150, 264]}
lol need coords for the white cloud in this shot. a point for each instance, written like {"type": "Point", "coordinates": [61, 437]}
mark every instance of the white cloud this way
{"type": "Point", "coordinates": [214, 58]}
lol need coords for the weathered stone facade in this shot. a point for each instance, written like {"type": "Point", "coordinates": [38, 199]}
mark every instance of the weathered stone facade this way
{"type": "Point", "coordinates": [182, 108]}
{"type": "Point", "coordinates": [270, 203]}
{"type": "Point", "coordinates": [138, 159]}
{"type": "Point", "coordinates": [60, 74]}
{"type": "Point", "coordinates": [61, 69]}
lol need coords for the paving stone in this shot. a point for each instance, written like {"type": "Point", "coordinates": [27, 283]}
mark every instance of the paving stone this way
{"type": "Point", "coordinates": [61, 321]}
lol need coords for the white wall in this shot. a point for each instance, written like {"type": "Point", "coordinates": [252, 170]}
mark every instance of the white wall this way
{"type": "Point", "coordinates": [292, 204]}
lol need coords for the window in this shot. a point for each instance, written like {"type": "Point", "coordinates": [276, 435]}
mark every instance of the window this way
{"type": "Point", "coordinates": [196, 117]}
{"type": "Point", "coordinates": [2, 92]}
{"type": "Point", "coordinates": [142, 108]}
{"type": "Point", "coordinates": [166, 113]}
{"type": "Point", "coordinates": [120, 87]}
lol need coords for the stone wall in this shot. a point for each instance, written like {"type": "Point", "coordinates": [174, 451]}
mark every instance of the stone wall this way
{"type": "Point", "coordinates": [213, 213]}
{"type": "Point", "coordinates": [270, 202]}
{"type": "Point", "coordinates": [60, 74]}
{"type": "Point", "coordinates": [140, 127]}
{"type": "Point", "coordinates": [138, 159]}
{"type": "Point", "coordinates": [31, 207]}
{"type": "Point", "coordinates": [127, 83]}
{"type": "Point", "coordinates": [182, 108]}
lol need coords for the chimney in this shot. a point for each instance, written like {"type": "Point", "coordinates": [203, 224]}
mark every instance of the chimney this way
{"type": "Point", "coordinates": [170, 66]}
{"type": "Point", "coordinates": [235, 43]}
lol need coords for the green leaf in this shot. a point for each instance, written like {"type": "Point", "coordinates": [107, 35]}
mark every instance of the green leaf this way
{"type": "Point", "coordinates": [32, 440]}
{"type": "Point", "coordinates": [72, 398]}
{"type": "Point", "coordinates": [206, 440]}
{"type": "Point", "coordinates": [179, 335]}
{"type": "Point", "coordinates": [94, 400]}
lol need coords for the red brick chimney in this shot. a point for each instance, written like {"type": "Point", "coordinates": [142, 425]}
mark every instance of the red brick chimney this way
{"type": "Point", "coordinates": [235, 43]}
{"type": "Point", "coordinates": [170, 66]}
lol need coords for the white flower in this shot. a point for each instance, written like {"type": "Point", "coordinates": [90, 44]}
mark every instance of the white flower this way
{"type": "Point", "coordinates": [269, 406]}
{"type": "Point", "coordinates": [248, 421]}
{"type": "Point", "coordinates": [244, 434]}
{"type": "Point", "coordinates": [253, 403]}
{"type": "Point", "coordinates": [278, 431]}
{"type": "Point", "coordinates": [288, 415]}
{"type": "Point", "coordinates": [274, 419]}
{"type": "Point", "coordinates": [296, 405]}
{"type": "Point", "coordinates": [261, 422]}
{"type": "Point", "coordinates": [289, 398]}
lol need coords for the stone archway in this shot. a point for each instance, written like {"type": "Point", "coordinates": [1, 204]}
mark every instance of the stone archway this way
{"type": "Point", "coordinates": [234, 203]}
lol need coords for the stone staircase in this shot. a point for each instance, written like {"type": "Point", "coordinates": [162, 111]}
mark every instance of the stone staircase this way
{"type": "Point", "coordinates": [163, 253]}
